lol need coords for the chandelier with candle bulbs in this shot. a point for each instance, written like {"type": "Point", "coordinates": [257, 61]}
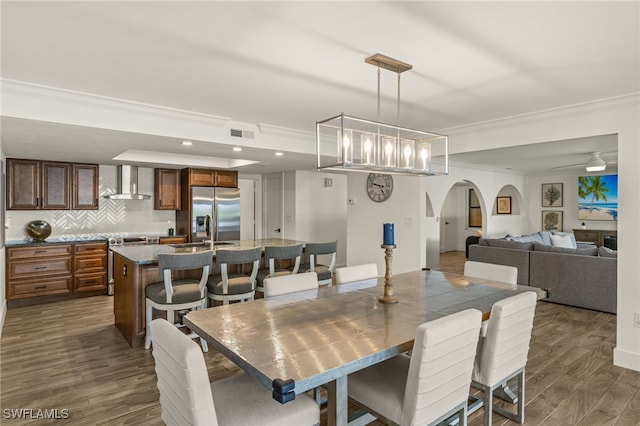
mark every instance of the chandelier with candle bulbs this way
{"type": "Point", "coordinates": [346, 143]}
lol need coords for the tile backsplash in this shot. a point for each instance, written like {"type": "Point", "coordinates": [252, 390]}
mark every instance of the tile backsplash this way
{"type": "Point", "coordinates": [114, 217]}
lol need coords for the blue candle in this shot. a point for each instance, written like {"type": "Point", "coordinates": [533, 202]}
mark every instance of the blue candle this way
{"type": "Point", "coordinates": [387, 234]}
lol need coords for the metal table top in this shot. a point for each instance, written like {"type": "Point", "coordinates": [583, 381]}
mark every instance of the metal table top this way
{"type": "Point", "coordinates": [315, 337]}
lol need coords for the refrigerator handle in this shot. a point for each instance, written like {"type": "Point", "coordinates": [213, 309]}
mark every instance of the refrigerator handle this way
{"type": "Point", "coordinates": [214, 233]}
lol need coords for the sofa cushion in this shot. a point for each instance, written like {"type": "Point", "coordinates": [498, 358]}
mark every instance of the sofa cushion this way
{"type": "Point", "coordinates": [546, 237]}
{"type": "Point", "coordinates": [503, 243]}
{"type": "Point", "coordinates": [574, 243]}
{"type": "Point", "coordinates": [587, 251]}
{"type": "Point", "coordinates": [607, 252]}
{"type": "Point", "coordinates": [561, 241]}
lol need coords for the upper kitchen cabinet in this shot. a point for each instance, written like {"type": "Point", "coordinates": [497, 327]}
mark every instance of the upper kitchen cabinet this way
{"type": "Point", "coordinates": [84, 187]}
{"type": "Point", "coordinates": [209, 177]}
{"type": "Point", "coordinates": [48, 185]}
{"type": "Point", "coordinates": [36, 185]}
{"type": "Point", "coordinates": [167, 189]}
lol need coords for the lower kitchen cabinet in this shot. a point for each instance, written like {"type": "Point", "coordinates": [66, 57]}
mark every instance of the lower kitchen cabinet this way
{"type": "Point", "coordinates": [39, 273]}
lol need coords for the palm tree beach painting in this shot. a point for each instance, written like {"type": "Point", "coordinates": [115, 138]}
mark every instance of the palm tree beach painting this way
{"type": "Point", "coordinates": [598, 197]}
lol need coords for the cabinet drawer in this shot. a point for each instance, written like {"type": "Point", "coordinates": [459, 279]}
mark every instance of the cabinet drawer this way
{"type": "Point", "coordinates": [90, 264]}
{"type": "Point", "coordinates": [40, 287]}
{"type": "Point", "coordinates": [39, 251]}
{"type": "Point", "coordinates": [90, 249]}
{"type": "Point", "coordinates": [173, 240]}
{"type": "Point", "coordinates": [90, 282]}
{"type": "Point", "coordinates": [32, 269]}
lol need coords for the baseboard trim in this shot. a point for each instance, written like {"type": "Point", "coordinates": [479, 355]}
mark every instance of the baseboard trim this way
{"type": "Point", "coordinates": [626, 359]}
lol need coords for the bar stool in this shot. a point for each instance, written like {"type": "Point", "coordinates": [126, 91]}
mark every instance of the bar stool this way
{"type": "Point", "coordinates": [273, 253]}
{"type": "Point", "coordinates": [174, 295]}
{"type": "Point", "coordinates": [226, 287]}
{"type": "Point", "coordinates": [325, 272]}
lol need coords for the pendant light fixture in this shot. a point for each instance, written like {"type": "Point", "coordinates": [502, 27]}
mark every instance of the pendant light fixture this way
{"type": "Point", "coordinates": [348, 143]}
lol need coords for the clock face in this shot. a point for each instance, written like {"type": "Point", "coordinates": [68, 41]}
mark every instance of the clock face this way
{"type": "Point", "coordinates": [379, 186]}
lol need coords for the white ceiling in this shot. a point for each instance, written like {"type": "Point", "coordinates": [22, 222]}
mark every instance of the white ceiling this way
{"type": "Point", "coordinates": [289, 64]}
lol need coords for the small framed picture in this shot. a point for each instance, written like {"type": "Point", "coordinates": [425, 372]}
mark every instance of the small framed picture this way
{"type": "Point", "coordinates": [503, 205]}
{"type": "Point", "coordinates": [552, 195]}
{"type": "Point", "coordinates": [552, 220]}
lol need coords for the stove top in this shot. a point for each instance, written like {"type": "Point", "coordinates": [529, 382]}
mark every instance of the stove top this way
{"type": "Point", "coordinates": [133, 241]}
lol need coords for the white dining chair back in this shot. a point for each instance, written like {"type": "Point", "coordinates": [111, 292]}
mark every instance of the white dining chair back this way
{"type": "Point", "coordinates": [491, 271]}
{"type": "Point", "coordinates": [354, 273]}
{"type": "Point", "coordinates": [187, 397]}
{"type": "Point", "coordinates": [503, 350]}
{"type": "Point", "coordinates": [284, 284]}
{"type": "Point", "coordinates": [429, 386]}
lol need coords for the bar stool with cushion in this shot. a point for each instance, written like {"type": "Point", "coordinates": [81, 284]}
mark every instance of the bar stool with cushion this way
{"type": "Point", "coordinates": [325, 272]}
{"type": "Point", "coordinates": [187, 397]}
{"type": "Point", "coordinates": [273, 253]}
{"type": "Point", "coordinates": [226, 286]}
{"type": "Point", "coordinates": [174, 295]}
{"type": "Point", "coordinates": [502, 353]}
{"type": "Point", "coordinates": [348, 274]}
{"type": "Point", "coordinates": [428, 386]}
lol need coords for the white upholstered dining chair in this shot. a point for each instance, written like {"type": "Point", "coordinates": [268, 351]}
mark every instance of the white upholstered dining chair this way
{"type": "Point", "coordinates": [354, 273]}
{"type": "Point", "coordinates": [491, 271]}
{"type": "Point", "coordinates": [502, 353]}
{"type": "Point", "coordinates": [285, 284]}
{"type": "Point", "coordinates": [187, 397]}
{"type": "Point", "coordinates": [429, 386]}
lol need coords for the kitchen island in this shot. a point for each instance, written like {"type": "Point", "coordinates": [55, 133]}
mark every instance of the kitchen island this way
{"type": "Point", "coordinates": [135, 267]}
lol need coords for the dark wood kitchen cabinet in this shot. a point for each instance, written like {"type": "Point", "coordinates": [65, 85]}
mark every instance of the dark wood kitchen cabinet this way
{"type": "Point", "coordinates": [167, 189]}
{"type": "Point", "coordinates": [40, 273]}
{"type": "Point", "coordinates": [210, 177]}
{"type": "Point", "coordinates": [37, 185]}
{"type": "Point", "coordinates": [84, 185]}
{"type": "Point", "coordinates": [50, 185]}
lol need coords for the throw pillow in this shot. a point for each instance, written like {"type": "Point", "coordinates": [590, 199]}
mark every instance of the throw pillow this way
{"type": "Point", "coordinates": [607, 252]}
{"type": "Point", "coordinates": [570, 234]}
{"type": "Point", "coordinates": [563, 241]}
{"type": "Point", "coordinates": [546, 237]}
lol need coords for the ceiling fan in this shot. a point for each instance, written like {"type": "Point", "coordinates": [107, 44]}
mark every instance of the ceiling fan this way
{"type": "Point", "coordinates": [594, 164]}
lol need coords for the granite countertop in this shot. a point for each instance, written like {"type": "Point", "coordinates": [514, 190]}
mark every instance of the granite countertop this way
{"type": "Point", "coordinates": [148, 254]}
{"type": "Point", "coordinates": [59, 240]}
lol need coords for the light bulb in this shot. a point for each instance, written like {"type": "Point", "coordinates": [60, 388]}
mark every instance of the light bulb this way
{"type": "Point", "coordinates": [407, 151]}
{"type": "Point", "coordinates": [346, 142]}
{"type": "Point", "coordinates": [389, 148]}
{"type": "Point", "coordinates": [367, 146]}
{"type": "Point", "coordinates": [424, 154]}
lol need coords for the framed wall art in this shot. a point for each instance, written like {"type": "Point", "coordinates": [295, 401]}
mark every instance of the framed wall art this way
{"type": "Point", "coordinates": [552, 195]}
{"type": "Point", "coordinates": [552, 220]}
{"type": "Point", "coordinates": [503, 205]}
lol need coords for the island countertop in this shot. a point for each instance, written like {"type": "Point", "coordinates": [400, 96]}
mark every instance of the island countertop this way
{"type": "Point", "coordinates": [148, 254]}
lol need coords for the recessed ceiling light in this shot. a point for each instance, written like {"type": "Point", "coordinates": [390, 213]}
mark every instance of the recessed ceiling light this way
{"type": "Point", "coordinates": [187, 143]}
{"type": "Point", "coordinates": [279, 154]}
{"type": "Point", "coordinates": [237, 148]}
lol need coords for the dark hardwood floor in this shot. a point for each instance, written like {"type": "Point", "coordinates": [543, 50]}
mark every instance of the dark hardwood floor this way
{"type": "Point", "coordinates": [69, 355]}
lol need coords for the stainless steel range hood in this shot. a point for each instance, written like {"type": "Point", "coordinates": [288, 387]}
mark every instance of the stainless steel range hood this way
{"type": "Point", "coordinates": [127, 185]}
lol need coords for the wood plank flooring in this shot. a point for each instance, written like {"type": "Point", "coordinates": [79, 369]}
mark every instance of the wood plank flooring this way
{"type": "Point", "coordinates": [69, 355]}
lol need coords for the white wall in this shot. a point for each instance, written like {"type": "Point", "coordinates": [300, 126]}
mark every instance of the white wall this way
{"type": "Point", "coordinates": [114, 217]}
{"type": "Point", "coordinates": [569, 206]}
{"type": "Point", "coordinates": [321, 212]}
{"type": "Point", "coordinates": [3, 301]}
{"type": "Point", "coordinates": [365, 219]}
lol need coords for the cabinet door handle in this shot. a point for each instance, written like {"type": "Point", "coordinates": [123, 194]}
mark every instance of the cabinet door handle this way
{"type": "Point", "coordinates": [40, 287]}
{"type": "Point", "coordinates": [40, 268]}
{"type": "Point", "coordinates": [40, 251]}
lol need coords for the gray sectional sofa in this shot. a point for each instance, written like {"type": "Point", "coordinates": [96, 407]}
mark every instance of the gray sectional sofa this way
{"type": "Point", "coordinates": [585, 277]}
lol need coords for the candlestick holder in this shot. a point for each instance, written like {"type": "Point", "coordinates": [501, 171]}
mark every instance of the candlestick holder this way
{"type": "Point", "coordinates": [388, 296]}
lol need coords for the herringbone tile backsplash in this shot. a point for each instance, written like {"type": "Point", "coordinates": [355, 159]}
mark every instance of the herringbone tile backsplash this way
{"type": "Point", "coordinates": [114, 217]}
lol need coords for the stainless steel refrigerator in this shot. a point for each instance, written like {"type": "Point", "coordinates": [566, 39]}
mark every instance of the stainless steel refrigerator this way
{"type": "Point", "coordinates": [215, 212]}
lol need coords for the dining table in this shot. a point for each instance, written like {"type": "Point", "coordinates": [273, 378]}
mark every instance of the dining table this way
{"type": "Point", "coordinates": [294, 343]}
